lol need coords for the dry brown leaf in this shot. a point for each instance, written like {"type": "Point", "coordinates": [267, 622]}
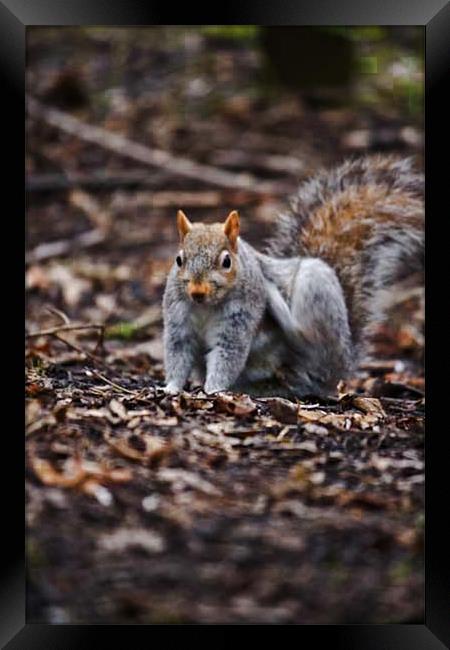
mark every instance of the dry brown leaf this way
{"type": "Point", "coordinates": [37, 418]}
{"type": "Point", "coordinates": [118, 409]}
{"type": "Point", "coordinates": [194, 402]}
{"type": "Point", "coordinates": [76, 472]}
{"type": "Point", "coordinates": [93, 488]}
{"type": "Point", "coordinates": [298, 480]}
{"type": "Point", "coordinates": [181, 478]}
{"type": "Point", "coordinates": [170, 421]}
{"type": "Point", "coordinates": [315, 429]}
{"type": "Point", "coordinates": [103, 413]}
{"type": "Point", "coordinates": [72, 287]}
{"type": "Point", "coordinates": [33, 410]}
{"type": "Point", "coordinates": [73, 475]}
{"type": "Point", "coordinates": [365, 499]}
{"type": "Point", "coordinates": [282, 409]}
{"type": "Point", "coordinates": [34, 388]}
{"type": "Point", "coordinates": [151, 448]}
{"type": "Point", "coordinates": [235, 404]}
{"type": "Point", "coordinates": [120, 539]}
{"type": "Point", "coordinates": [124, 449]}
{"type": "Point", "coordinates": [313, 415]}
{"type": "Point", "coordinates": [341, 421]}
{"type": "Point", "coordinates": [37, 278]}
{"type": "Point", "coordinates": [307, 445]}
{"type": "Point", "coordinates": [370, 405]}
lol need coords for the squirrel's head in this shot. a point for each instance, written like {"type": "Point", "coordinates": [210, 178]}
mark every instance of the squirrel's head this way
{"type": "Point", "coordinates": [207, 260]}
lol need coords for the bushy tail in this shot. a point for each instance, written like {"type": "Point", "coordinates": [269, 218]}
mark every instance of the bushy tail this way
{"type": "Point", "coordinates": [366, 219]}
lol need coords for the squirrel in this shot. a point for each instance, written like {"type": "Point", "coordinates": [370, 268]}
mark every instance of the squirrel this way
{"type": "Point", "coordinates": [296, 316]}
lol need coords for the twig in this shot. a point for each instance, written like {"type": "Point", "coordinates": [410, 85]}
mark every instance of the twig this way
{"type": "Point", "coordinates": [67, 327]}
{"type": "Point", "coordinates": [100, 345]}
{"type": "Point", "coordinates": [167, 199]}
{"type": "Point", "coordinates": [64, 246]}
{"type": "Point", "coordinates": [75, 347]}
{"type": "Point", "coordinates": [92, 238]}
{"type": "Point", "coordinates": [154, 157]}
{"type": "Point", "coordinates": [243, 159]}
{"type": "Point", "coordinates": [99, 217]}
{"type": "Point", "coordinates": [282, 433]}
{"type": "Point", "coordinates": [57, 312]}
{"type": "Point", "coordinates": [95, 180]}
{"type": "Point", "coordinates": [111, 383]}
{"type": "Point", "coordinates": [63, 328]}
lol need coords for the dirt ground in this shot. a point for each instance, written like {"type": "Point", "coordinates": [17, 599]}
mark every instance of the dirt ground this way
{"type": "Point", "coordinates": [143, 508]}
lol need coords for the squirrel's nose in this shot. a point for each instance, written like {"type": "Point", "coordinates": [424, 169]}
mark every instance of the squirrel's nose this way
{"type": "Point", "coordinates": [198, 290]}
{"type": "Point", "coordinates": [198, 296]}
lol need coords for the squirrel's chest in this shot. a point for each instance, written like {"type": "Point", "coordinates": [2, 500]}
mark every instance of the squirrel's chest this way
{"type": "Point", "coordinates": [203, 321]}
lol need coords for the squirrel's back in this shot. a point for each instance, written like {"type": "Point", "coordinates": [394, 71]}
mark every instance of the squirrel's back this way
{"type": "Point", "coordinates": [365, 218]}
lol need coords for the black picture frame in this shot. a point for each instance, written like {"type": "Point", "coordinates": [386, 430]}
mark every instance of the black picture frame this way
{"type": "Point", "coordinates": [15, 17]}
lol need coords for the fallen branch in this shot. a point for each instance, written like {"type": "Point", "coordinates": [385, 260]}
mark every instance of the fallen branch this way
{"type": "Point", "coordinates": [64, 328]}
{"type": "Point", "coordinates": [153, 157]}
{"type": "Point", "coordinates": [64, 246]}
{"type": "Point", "coordinates": [89, 239]}
{"type": "Point", "coordinates": [57, 312]}
{"type": "Point", "coordinates": [55, 332]}
{"type": "Point", "coordinates": [99, 217]}
{"type": "Point", "coordinates": [75, 347]}
{"type": "Point", "coordinates": [113, 384]}
{"type": "Point", "coordinates": [167, 199]}
{"type": "Point", "coordinates": [258, 160]}
{"type": "Point", "coordinates": [95, 180]}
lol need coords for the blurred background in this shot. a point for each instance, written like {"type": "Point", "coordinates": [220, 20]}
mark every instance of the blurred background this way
{"type": "Point", "coordinates": [197, 511]}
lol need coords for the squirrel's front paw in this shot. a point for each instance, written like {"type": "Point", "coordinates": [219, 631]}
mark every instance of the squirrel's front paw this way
{"type": "Point", "coordinates": [172, 389]}
{"type": "Point", "coordinates": [210, 389]}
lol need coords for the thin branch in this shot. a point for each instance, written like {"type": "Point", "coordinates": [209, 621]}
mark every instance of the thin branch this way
{"type": "Point", "coordinates": [63, 246]}
{"type": "Point", "coordinates": [153, 157]}
{"type": "Point", "coordinates": [54, 333]}
{"type": "Point", "coordinates": [88, 239]}
{"type": "Point", "coordinates": [75, 347]}
{"type": "Point", "coordinates": [57, 312]}
{"type": "Point", "coordinates": [168, 199]}
{"type": "Point", "coordinates": [258, 160]}
{"type": "Point", "coordinates": [100, 345]}
{"type": "Point", "coordinates": [99, 217]}
{"type": "Point", "coordinates": [63, 328]}
{"type": "Point", "coordinates": [111, 383]}
{"type": "Point", "coordinates": [95, 180]}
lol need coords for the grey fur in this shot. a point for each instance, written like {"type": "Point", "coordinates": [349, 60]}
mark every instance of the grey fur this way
{"type": "Point", "coordinates": [311, 346]}
{"type": "Point", "coordinates": [212, 339]}
{"type": "Point", "coordinates": [286, 315]}
{"type": "Point", "coordinates": [394, 173]}
{"type": "Point", "coordinates": [395, 247]}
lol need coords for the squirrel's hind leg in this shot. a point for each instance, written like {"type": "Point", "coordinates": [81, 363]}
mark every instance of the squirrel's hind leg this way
{"type": "Point", "coordinates": [315, 323]}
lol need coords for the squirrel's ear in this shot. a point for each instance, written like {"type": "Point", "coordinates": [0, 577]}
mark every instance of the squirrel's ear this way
{"type": "Point", "coordinates": [231, 228]}
{"type": "Point", "coordinates": [183, 224]}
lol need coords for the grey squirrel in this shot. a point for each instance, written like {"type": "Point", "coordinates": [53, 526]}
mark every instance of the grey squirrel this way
{"type": "Point", "coordinates": [297, 316]}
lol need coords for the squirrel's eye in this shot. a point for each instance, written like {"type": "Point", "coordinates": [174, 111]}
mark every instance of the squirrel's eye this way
{"type": "Point", "coordinates": [179, 259]}
{"type": "Point", "coordinates": [225, 260]}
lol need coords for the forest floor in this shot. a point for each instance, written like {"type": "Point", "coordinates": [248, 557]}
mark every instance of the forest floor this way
{"type": "Point", "coordinates": [144, 508]}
